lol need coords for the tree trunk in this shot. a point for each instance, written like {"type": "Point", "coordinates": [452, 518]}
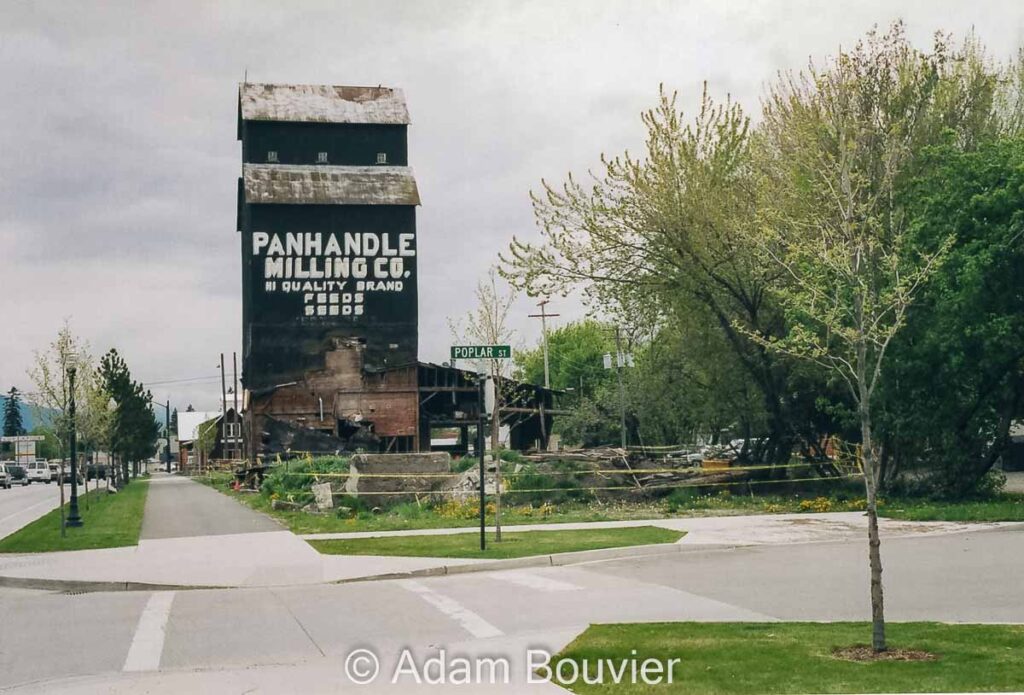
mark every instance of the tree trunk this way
{"type": "Point", "coordinates": [495, 443]}
{"type": "Point", "coordinates": [870, 469]}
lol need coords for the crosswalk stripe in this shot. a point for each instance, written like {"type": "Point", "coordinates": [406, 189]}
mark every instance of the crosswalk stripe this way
{"type": "Point", "coordinates": [148, 643]}
{"type": "Point", "coordinates": [534, 581]}
{"type": "Point", "coordinates": [473, 623]}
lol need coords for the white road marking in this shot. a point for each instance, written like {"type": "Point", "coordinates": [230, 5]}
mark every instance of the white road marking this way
{"type": "Point", "coordinates": [473, 623]}
{"type": "Point", "coordinates": [534, 581]}
{"type": "Point", "coordinates": [148, 643]}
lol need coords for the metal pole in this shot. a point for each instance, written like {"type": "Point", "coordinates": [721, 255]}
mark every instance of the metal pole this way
{"type": "Point", "coordinates": [619, 359]}
{"type": "Point", "coordinates": [74, 519]}
{"type": "Point", "coordinates": [481, 424]}
{"type": "Point", "coordinates": [237, 428]}
{"type": "Point", "coordinates": [223, 403]}
{"type": "Point", "coordinates": [63, 518]}
{"type": "Point", "coordinates": [167, 431]}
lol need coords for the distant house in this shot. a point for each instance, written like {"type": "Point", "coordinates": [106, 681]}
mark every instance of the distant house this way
{"type": "Point", "coordinates": [193, 424]}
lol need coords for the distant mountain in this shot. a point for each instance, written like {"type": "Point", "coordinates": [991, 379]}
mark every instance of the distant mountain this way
{"type": "Point", "coordinates": [28, 414]}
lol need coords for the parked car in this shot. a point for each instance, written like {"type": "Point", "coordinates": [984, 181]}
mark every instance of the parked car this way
{"type": "Point", "coordinates": [5, 477]}
{"type": "Point", "coordinates": [54, 471]}
{"type": "Point", "coordinates": [18, 474]}
{"type": "Point", "coordinates": [38, 471]}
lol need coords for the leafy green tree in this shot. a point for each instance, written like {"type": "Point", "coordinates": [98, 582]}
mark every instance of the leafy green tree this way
{"type": "Point", "coordinates": [956, 380]}
{"type": "Point", "coordinates": [50, 447]}
{"type": "Point", "coordinates": [206, 439]}
{"type": "Point", "coordinates": [666, 235]}
{"type": "Point", "coordinates": [13, 425]}
{"type": "Point", "coordinates": [575, 358]}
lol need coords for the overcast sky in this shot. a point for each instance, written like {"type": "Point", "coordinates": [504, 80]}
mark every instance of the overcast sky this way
{"type": "Point", "coordinates": [118, 157]}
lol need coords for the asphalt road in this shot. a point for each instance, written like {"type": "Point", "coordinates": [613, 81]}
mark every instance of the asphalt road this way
{"type": "Point", "coordinates": [177, 507]}
{"type": "Point", "coordinates": [299, 637]}
{"type": "Point", "coordinates": [23, 505]}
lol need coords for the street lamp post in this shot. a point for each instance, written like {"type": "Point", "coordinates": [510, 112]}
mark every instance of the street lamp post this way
{"type": "Point", "coordinates": [74, 519]}
{"type": "Point", "coordinates": [167, 435]}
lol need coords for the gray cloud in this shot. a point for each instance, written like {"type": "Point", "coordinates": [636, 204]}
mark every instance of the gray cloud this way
{"type": "Point", "coordinates": [118, 156]}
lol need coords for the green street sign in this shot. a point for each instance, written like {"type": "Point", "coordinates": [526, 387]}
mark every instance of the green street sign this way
{"type": "Point", "coordinates": [481, 352]}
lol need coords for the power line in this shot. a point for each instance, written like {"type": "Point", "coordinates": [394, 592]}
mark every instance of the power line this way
{"type": "Point", "coordinates": [215, 377]}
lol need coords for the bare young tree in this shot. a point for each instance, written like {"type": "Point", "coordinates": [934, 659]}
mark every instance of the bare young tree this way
{"type": "Point", "coordinates": [835, 146]}
{"type": "Point", "coordinates": [49, 374]}
{"type": "Point", "coordinates": [488, 325]}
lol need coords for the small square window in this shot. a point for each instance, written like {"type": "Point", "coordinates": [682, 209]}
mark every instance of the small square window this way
{"type": "Point", "coordinates": [272, 156]}
{"type": "Point", "coordinates": [321, 158]}
{"type": "Point", "coordinates": [382, 158]}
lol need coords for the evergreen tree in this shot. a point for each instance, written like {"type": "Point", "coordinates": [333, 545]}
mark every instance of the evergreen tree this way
{"type": "Point", "coordinates": [135, 427]}
{"type": "Point", "coordinates": [13, 425]}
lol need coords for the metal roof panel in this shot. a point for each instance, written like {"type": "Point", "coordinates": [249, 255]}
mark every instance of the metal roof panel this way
{"type": "Point", "coordinates": [316, 103]}
{"type": "Point", "coordinates": [329, 185]}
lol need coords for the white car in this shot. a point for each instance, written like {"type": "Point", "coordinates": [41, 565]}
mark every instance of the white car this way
{"type": "Point", "coordinates": [37, 471]}
{"type": "Point", "coordinates": [5, 477]}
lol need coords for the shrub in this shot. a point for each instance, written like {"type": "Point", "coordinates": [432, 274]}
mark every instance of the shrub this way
{"type": "Point", "coordinates": [511, 456]}
{"type": "Point", "coordinates": [818, 504]}
{"type": "Point", "coordinates": [297, 476]}
{"type": "Point", "coordinates": [989, 485]}
{"type": "Point", "coordinates": [463, 464]}
{"type": "Point", "coordinates": [553, 489]}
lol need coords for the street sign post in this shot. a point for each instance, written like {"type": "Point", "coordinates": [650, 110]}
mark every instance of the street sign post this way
{"type": "Point", "coordinates": [481, 352]}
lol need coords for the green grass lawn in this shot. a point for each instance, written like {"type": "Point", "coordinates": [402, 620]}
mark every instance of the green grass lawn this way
{"type": "Point", "coordinates": [410, 516]}
{"type": "Point", "coordinates": [512, 544]}
{"type": "Point", "coordinates": [797, 657]}
{"type": "Point", "coordinates": [110, 521]}
{"type": "Point", "coordinates": [1007, 506]}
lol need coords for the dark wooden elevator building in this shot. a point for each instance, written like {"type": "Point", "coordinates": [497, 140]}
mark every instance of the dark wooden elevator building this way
{"type": "Point", "coordinates": [327, 216]}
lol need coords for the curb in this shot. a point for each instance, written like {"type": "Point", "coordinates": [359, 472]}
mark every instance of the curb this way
{"type": "Point", "coordinates": [83, 586]}
{"type": "Point", "coordinates": [555, 560]}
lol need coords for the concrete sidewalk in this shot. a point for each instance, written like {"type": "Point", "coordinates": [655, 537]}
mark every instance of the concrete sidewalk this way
{"type": "Point", "coordinates": [761, 529]}
{"type": "Point", "coordinates": [195, 536]}
{"type": "Point", "coordinates": [179, 507]}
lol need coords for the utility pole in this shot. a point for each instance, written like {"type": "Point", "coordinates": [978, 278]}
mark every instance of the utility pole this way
{"type": "Point", "coordinates": [620, 358]}
{"type": "Point", "coordinates": [74, 519]}
{"type": "Point", "coordinates": [223, 403]}
{"type": "Point", "coordinates": [237, 428]}
{"type": "Point", "coordinates": [544, 316]}
{"type": "Point", "coordinates": [167, 431]}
